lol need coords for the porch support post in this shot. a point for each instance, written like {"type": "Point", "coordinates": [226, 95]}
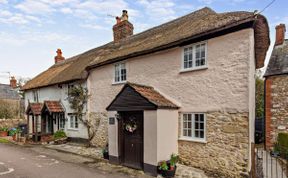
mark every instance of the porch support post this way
{"type": "Point", "coordinates": [36, 134]}
{"type": "Point", "coordinates": [28, 128]}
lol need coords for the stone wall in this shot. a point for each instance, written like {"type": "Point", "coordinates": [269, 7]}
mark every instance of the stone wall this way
{"type": "Point", "coordinates": [100, 126]}
{"type": "Point", "coordinates": [226, 152]}
{"type": "Point", "coordinates": [10, 123]}
{"type": "Point", "coordinates": [276, 107]}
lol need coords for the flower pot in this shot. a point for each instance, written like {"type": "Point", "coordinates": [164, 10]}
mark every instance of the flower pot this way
{"type": "Point", "coordinates": [168, 173]}
{"type": "Point", "coordinates": [3, 133]}
{"type": "Point", "coordinates": [106, 155]}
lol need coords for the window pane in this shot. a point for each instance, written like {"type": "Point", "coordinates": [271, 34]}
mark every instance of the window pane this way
{"type": "Point", "coordinates": [189, 117]}
{"type": "Point", "coordinates": [185, 133]}
{"type": "Point", "coordinates": [71, 121]}
{"type": "Point", "coordinates": [189, 133]}
{"type": "Point", "coordinates": [189, 125]}
{"type": "Point", "coordinates": [188, 57]}
{"type": "Point", "coordinates": [201, 126]}
{"type": "Point", "coordinates": [201, 134]}
{"type": "Point", "coordinates": [196, 117]}
{"type": "Point", "coordinates": [202, 117]}
{"type": "Point", "coordinates": [185, 125]}
{"type": "Point", "coordinates": [196, 134]}
{"type": "Point", "coordinates": [76, 122]}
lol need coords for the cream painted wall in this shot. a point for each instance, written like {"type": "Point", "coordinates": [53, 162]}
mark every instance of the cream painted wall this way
{"type": "Point", "coordinates": [113, 135]}
{"type": "Point", "coordinates": [167, 134]}
{"type": "Point", "coordinates": [224, 86]}
{"type": "Point", "coordinates": [150, 137]}
{"type": "Point", "coordinates": [56, 93]}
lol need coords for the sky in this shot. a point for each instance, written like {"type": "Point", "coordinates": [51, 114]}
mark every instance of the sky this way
{"type": "Point", "coordinates": [32, 30]}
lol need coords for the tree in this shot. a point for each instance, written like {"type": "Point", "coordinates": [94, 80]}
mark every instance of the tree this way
{"type": "Point", "coordinates": [78, 97]}
{"type": "Point", "coordinates": [259, 96]}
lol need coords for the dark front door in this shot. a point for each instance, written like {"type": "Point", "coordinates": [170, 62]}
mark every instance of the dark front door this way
{"type": "Point", "coordinates": [132, 140]}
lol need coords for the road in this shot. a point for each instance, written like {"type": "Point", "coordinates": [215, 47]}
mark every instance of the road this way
{"type": "Point", "coordinates": [37, 162]}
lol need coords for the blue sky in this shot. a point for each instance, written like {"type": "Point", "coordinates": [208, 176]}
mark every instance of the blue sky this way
{"type": "Point", "coordinates": [32, 30]}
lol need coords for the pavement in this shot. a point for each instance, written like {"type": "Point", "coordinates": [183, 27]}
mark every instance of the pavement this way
{"type": "Point", "coordinates": [39, 162]}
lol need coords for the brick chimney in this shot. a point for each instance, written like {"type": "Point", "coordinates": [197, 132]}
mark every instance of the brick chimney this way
{"type": "Point", "coordinates": [123, 28]}
{"type": "Point", "coordinates": [13, 82]}
{"type": "Point", "coordinates": [59, 56]}
{"type": "Point", "coordinates": [280, 34]}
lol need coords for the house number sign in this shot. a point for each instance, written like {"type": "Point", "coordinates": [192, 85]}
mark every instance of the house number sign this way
{"type": "Point", "coordinates": [111, 120]}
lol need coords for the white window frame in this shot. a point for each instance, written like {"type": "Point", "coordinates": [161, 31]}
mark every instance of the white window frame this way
{"type": "Point", "coordinates": [194, 67]}
{"type": "Point", "coordinates": [114, 73]}
{"type": "Point", "coordinates": [193, 138]}
{"type": "Point", "coordinates": [35, 94]}
{"type": "Point", "coordinates": [73, 116]}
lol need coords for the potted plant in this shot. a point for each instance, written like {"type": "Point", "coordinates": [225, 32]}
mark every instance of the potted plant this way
{"type": "Point", "coordinates": [60, 137]}
{"type": "Point", "coordinates": [4, 132]}
{"type": "Point", "coordinates": [168, 168]}
{"type": "Point", "coordinates": [105, 154]}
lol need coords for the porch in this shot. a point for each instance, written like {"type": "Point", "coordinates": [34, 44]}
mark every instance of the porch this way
{"type": "Point", "coordinates": [143, 128]}
{"type": "Point", "coordinates": [44, 120]}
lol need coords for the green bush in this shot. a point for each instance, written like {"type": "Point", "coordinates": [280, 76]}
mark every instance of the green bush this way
{"type": "Point", "coordinates": [59, 134]}
{"type": "Point", "coordinates": [282, 144]}
{"type": "Point", "coordinates": [4, 129]}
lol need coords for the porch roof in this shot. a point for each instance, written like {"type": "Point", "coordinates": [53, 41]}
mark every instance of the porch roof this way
{"type": "Point", "coordinates": [34, 108]}
{"type": "Point", "coordinates": [139, 97]}
{"type": "Point", "coordinates": [53, 106]}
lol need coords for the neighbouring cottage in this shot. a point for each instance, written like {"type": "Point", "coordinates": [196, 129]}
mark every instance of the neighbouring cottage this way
{"type": "Point", "coordinates": [184, 87]}
{"type": "Point", "coordinates": [10, 100]}
{"type": "Point", "coordinates": [276, 89]}
{"type": "Point", "coordinates": [47, 107]}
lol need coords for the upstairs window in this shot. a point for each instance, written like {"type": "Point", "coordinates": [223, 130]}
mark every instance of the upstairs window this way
{"type": "Point", "coordinates": [35, 96]}
{"type": "Point", "coordinates": [120, 73]}
{"type": "Point", "coordinates": [194, 56]}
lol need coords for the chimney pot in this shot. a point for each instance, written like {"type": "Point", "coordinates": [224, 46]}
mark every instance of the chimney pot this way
{"type": "Point", "coordinates": [123, 28]}
{"type": "Point", "coordinates": [59, 56]}
{"type": "Point", "coordinates": [13, 82]}
{"type": "Point", "coordinates": [280, 34]}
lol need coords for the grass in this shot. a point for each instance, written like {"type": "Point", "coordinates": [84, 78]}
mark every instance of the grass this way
{"type": "Point", "coordinates": [2, 140]}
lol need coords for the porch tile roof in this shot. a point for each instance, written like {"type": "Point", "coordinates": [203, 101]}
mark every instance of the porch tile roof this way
{"type": "Point", "coordinates": [35, 108]}
{"type": "Point", "coordinates": [152, 96]}
{"type": "Point", "coordinates": [54, 106]}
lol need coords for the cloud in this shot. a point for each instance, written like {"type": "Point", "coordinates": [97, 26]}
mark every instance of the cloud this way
{"type": "Point", "coordinates": [3, 1]}
{"type": "Point", "coordinates": [25, 38]}
{"type": "Point", "coordinates": [66, 10]}
{"type": "Point", "coordinates": [34, 7]}
{"type": "Point", "coordinates": [159, 10]}
{"type": "Point", "coordinates": [17, 18]}
{"type": "Point", "coordinates": [93, 26]}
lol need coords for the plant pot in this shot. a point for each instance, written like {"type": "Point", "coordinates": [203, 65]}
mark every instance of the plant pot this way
{"type": "Point", "coordinates": [168, 173]}
{"type": "Point", "coordinates": [14, 137]}
{"type": "Point", "coordinates": [106, 155]}
{"type": "Point", "coordinates": [3, 133]}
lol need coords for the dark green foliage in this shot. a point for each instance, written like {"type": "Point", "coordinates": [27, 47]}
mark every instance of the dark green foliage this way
{"type": "Point", "coordinates": [282, 145]}
{"type": "Point", "coordinates": [4, 129]}
{"type": "Point", "coordinates": [59, 134]}
{"type": "Point", "coordinates": [259, 97]}
{"type": "Point", "coordinates": [174, 160]}
{"type": "Point", "coordinates": [163, 166]}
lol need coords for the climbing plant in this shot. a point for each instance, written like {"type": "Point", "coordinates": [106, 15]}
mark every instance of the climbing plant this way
{"type": "Point", "coordinates": [78, 97]}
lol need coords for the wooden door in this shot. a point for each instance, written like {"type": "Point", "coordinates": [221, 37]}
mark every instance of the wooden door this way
{"type": "Point", "coordinates": [132, 129]}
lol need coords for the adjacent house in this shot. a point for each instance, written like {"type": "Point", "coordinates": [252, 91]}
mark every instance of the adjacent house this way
{"type": "Point", "coordinates": [276, 88]}
{"type": "Point", "coordinates": [46, 100]}
{"type": "Point", "coordinates": [186, 87]}
{"type": "Point", "coordinates": [10, 100]}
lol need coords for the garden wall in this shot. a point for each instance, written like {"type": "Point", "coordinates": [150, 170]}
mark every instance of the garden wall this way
{"type": "Point", "coordinates": [10, 123]}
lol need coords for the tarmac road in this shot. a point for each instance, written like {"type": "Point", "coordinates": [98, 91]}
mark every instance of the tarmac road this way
{"type": "Point", "coordinates": [37, 162]}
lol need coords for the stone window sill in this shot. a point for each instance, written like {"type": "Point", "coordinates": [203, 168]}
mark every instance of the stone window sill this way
{"type": "Point", "coordinates": [72, 129]}
{"type": "Point", "coordinates": [193, 69]}
{"type": "Point", "coordinates": [192, 140]}
{"type": "Point", "coordinates": [119, 83]}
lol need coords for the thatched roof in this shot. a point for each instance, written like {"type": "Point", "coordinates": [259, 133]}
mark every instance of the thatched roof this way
{"type": "Point", "coordinates": [278, 63]}
{"type": "Point", "coordinates": [175, 33]}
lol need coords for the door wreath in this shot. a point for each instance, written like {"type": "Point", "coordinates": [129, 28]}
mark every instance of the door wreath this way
{"type": "Point", "coordinates": [131, 125]}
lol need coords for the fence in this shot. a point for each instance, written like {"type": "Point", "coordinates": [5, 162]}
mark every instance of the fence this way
{"type": "Point", "coordinates": [269, 164]}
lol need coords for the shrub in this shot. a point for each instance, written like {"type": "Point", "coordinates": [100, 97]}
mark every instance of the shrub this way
{"type": "Point", "coordinates": [59, 134]}
{"type": "Point", "coordinates": [282, 144]}
{"type": "Point", "coordinates": [4, 129]}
